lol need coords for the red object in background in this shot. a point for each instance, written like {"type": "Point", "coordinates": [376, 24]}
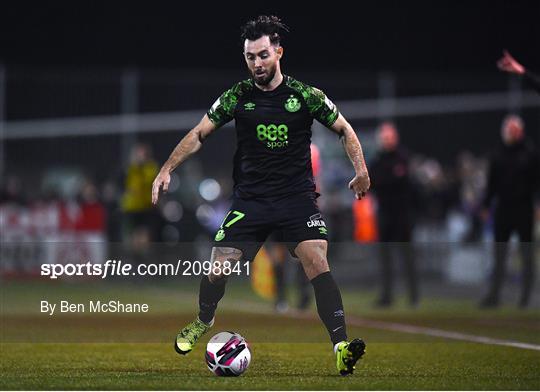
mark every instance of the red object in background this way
{"type": "Point", "coordinates": [365, 222]}
{"type": "Point", "coordinates": [92, 218]}
{"type": "Point", "coordinates": [83, 217]}
{"type": "Point", "coordinates": [315, 160]}
{"type": "Point", "coordinates": [52, 232]}
{"type": "Point", "coordinates": [316, 166]}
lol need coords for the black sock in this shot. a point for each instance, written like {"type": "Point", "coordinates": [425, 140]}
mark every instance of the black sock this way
{"type": "Point", "coordinates": [330, 306]}
{"type": "Point", "coordinates": [209, 296]}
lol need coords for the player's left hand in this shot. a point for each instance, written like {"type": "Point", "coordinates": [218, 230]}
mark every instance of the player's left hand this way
{"type": "Point", "coordinates": [360, 185]}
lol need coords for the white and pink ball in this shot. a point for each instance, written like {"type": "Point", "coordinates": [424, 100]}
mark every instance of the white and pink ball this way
{"type": "Point", "coordinates": [228, 354]}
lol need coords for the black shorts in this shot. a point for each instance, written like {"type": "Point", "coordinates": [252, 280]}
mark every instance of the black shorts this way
{"type": "Point", "coordinates": [289, 220]}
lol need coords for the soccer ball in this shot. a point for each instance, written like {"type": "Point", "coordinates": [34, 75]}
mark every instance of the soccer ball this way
{"type": "Point", "coordinates": [227, 354]}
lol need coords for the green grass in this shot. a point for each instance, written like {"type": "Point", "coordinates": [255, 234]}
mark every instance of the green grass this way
{"type": "Point", "coordinates": [120, 351]}
{"type": "Point", "coordinates": [275, 366]}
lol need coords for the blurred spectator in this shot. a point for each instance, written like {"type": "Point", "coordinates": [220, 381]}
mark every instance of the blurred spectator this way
{"type": "Point", "coordinates": [140, 217]}
{"type": "Point", "coordinates": [93, 212]}
{"type": "Point", "coordinates": [471, 174]}
{"type": "Point", "coordinates": [513, 178]}
{"type": "Point", "coordinates": [435, 186]}
{"type": "Point", "coordinates": [392, 185]}
{"type": "Point", "coordinates": [509, 64]}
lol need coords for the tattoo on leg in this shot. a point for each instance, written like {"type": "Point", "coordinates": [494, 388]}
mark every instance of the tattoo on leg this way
{"type": "Point", "coordinates": [225, 253]}
{"type": "Point", "coordinates": [220, 255]}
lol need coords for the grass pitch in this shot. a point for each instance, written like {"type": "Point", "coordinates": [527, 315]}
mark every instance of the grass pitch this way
{"type": "Point", "coordinates": [122, 351]}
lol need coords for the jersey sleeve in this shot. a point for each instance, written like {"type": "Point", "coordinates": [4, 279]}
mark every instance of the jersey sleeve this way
{"type": "Point", "coordinates": [222, 111]}
{"type": "Point", "coordinates": [321, 107]}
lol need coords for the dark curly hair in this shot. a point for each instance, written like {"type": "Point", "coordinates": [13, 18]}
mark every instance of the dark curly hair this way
{"type": "Point", "coordinates": [271, 26]}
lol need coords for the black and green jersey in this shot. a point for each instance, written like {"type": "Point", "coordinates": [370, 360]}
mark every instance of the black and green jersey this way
{"type": "Point", "coordinates": [273, 130]}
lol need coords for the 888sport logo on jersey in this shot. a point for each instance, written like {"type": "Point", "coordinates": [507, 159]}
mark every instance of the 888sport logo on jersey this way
{"type": "Point", "coordinates": [275, 136]}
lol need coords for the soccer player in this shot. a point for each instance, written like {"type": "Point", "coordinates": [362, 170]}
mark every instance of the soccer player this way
{"type": "Point", "coordinates": [274, 188]}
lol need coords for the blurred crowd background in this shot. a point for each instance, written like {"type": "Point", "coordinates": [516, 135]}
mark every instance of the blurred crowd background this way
{"type": "Point", "coordinates": [81, 144]}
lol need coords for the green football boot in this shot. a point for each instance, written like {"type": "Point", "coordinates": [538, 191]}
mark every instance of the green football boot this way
{"type": "Point", "coordinates": [186, 339]}
{"type": "Point", "coordinates": [348, 353]}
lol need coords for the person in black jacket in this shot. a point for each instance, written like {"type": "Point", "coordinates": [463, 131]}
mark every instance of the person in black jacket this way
{"type": "Point", "coordinates": [513, 179]}
{"type": "Point", "coordinates": [509, 64]}
{"type": "Point", "coordinates": [392, 186]}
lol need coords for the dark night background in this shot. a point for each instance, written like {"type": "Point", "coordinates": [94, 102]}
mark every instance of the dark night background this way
{"type": "Point", "coordinates": [372, 35]}
{"type": "Point", "coordinates": [67, 60]}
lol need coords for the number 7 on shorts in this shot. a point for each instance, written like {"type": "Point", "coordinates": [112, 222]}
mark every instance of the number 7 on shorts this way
{"type": "Point", "coordinates": [238, 215]}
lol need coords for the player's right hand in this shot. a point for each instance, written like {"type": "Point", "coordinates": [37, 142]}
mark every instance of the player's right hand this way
{"type": "Point", "coordinates": [162, 179]}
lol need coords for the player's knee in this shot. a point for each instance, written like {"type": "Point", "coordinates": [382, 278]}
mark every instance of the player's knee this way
{"type": "Point", "coordinates": [315, 263]}
{"type": "Point", "coordinates": [319, 263]}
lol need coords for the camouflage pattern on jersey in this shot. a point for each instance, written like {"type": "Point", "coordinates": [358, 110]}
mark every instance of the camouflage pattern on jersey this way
{"type": "Point", "coordinates": [222, 111]}
{"type": "Point", "coordinates": [319, 106]}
